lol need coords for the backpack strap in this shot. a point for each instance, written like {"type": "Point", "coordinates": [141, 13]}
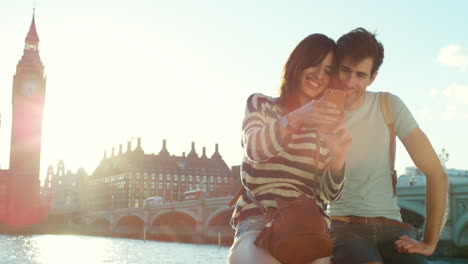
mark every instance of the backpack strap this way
{"type": "Point", "coordinates": [386, 109]}
{"type": "Point", "coordinates": [236, 197]}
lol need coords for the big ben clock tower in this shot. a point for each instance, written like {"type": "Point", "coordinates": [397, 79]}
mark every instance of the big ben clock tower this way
{"type": "Point", "coordinates": [28, 96]}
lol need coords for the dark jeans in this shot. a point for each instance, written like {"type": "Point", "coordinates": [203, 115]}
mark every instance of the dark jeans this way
{"type": "Point", "coordinates": [362, 243]}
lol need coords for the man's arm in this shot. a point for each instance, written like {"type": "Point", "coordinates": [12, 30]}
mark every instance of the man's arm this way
{"type": "Point", "coordinates": [427, 161]}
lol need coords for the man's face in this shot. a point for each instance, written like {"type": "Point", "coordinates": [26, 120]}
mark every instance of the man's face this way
{"type": "Point", "coordinates": [355, 76]}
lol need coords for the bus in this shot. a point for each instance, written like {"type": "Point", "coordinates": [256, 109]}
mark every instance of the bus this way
{"type": "Point", "coordinates": [195, 195]}
{"type": "Point", "coordinates": [155, 200]}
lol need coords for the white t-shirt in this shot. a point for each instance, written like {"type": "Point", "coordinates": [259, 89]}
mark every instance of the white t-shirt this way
{"type": "Point", "coordinates": [368, 188]}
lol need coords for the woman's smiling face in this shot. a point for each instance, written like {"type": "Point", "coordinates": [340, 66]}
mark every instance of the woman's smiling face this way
{"type": "Point", "coordinates": [315, 79]}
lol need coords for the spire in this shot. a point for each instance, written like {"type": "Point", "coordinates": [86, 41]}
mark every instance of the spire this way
{"type": "Point", "coordinates": [120, 149]}
{"type": "Point", "coordinates": [30, 66]}
{"type": "Point", "coordinates": [32, 38]}
{"type": "Point", "coordinates": [50, 174]}
{"type": "Point", "coordinates": [216, 153]}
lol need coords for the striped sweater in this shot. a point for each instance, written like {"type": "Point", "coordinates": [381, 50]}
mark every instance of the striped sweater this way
{"type": "Point", "coordinates": [275, 167]}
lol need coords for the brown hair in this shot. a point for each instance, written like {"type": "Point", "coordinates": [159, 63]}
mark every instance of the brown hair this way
{"type": "Point", "coordinates": [309, 52]}
{"type": "Point", "coordinates": [360, 44]}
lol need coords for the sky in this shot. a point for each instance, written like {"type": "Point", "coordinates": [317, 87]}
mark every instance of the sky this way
{"type": "Point", "coordinates": [182, 70]}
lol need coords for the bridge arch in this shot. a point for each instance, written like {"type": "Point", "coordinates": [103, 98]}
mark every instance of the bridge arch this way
{"type": "Point", "coordinates": [100, 220]}
{"type": "Point", "coordinates": [117, 220]}
{"type": "Point", "coordinates": [216, 213]}
{"type": "Point", "coordinates": [164, 216]}
{"type": "Point", "coordinates": [460, 227]}
{"type": "Point", "coordinates": [174, 226]}
{"type": "Point", "coordinates": [99, 225]}
{"type": "Point", "coordinates": [217, 226]}
{"type": "Point", "coordinates": [186, 212]}
{"type": "Point", "coordinates": [129, 226]}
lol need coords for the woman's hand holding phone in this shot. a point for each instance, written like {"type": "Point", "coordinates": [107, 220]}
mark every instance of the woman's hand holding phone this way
{"type": "Point", "coordinates": [316, 113]}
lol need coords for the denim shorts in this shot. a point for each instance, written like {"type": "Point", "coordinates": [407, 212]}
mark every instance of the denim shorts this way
{"type": "Point", "coordinates": [253, 224]}
{"type": "Point", "coordinates": [362, 243]}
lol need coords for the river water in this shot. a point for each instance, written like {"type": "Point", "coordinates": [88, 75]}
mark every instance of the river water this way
{"type": "Point", "coordinates": [73, 249]}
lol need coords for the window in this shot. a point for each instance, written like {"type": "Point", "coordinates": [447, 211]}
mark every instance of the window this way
{"type": "Point", "coordinates": [168, 177]}
{"type": "Point", "coordinates": [211, 179]}
{"type": "Point", "coordinates": [182, 178]}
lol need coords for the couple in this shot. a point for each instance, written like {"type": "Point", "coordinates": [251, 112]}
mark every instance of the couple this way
{"type": "Point", "coordinates": [286, 156]}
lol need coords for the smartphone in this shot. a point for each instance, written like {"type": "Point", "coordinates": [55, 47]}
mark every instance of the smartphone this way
{"type": "Point", "coordinates": [337, 97]}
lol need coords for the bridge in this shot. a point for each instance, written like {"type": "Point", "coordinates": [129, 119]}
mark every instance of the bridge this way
{"type": "Point", "coordinates": [204, 220]}
{"type": "Point", "coordinates": [207, 220]}
{"type": "Point", "coordinates": [411, 199]}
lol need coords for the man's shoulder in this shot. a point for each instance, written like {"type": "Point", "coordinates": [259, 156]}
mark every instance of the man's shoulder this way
{"type": "Point", "coordinates": [376, 95]}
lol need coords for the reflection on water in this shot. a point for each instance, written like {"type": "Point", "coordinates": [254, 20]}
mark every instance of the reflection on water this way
{"type": "Point", "coordinates": [71, 249]}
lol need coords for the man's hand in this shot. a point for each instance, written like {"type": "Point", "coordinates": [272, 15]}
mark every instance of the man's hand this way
{"type": "Point", "coordinates": [409, 246]}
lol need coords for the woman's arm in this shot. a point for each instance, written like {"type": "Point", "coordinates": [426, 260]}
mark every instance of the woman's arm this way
{"type": "Point", "coordinates": [262, 140]}
{"type": "Point", "coordinates": [333, 178]}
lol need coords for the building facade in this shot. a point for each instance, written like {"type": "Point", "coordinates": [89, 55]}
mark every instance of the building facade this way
{"type": "Point", "coordinates": [126, 179]}
{"type": "Point", "coordinates": [65, 191]}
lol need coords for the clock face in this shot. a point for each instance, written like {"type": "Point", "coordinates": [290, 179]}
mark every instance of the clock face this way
{"type": "Point", "coordinates": [29, 88]}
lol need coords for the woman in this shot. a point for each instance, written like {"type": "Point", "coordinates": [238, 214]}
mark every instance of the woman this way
{"type": "Point", "coordinates": [280, 139]}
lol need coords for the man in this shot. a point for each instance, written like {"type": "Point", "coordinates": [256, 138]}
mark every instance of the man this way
{"type": "Point", "coordinates": [366, 221]}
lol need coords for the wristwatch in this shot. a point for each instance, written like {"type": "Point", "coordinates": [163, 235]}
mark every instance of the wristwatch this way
{"type": "Point", "coordinates": [286, 124]}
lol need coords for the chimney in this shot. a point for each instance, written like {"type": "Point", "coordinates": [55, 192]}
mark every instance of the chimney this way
{"type": "Point", "coordinates": [204, 153]}
{"type": "Point", "coordinates": [216, 153]}
{"type": "Point", "coordinates": [129, 146]}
